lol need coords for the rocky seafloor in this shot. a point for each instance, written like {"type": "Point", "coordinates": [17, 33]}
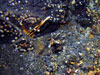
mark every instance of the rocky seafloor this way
{"type": "Point", "coordinates": [71, 49]}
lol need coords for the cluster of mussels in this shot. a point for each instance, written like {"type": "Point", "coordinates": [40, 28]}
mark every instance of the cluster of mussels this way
{"type": "Point", "coordinates": [38, 17]}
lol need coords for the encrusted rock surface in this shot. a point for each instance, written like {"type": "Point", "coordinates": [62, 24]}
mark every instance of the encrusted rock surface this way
{"type": "Point", "coordinates": [73, 48]}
